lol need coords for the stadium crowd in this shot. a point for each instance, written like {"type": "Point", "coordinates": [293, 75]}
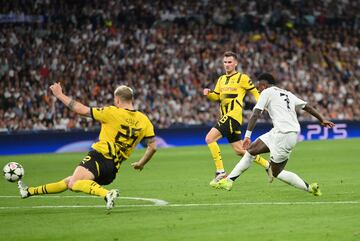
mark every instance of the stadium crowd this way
{"type": "Point", "coordinates": [168, 51]}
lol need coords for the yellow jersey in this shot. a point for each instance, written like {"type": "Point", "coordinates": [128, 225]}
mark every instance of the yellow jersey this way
{"type": "Point", "coordinates": [230, 91]}
{"type": "Point", "coordinates": [121, 130]}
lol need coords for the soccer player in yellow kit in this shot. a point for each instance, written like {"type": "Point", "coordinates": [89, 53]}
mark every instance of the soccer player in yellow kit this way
{"type": "Point", "coordinates": [122, 128]}
{"type": "Point", "coordinates": [230, 91]}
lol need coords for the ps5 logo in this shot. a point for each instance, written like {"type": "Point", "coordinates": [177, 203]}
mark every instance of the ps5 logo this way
{"type": "Point", "coordinates": [316, 131]}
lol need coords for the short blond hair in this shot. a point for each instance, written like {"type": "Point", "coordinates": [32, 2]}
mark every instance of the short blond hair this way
{"type": "Point", "coordinates": [125, 93]}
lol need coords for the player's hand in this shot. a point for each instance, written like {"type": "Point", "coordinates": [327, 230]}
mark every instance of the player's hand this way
{"type": "Point", "coordinates": [327, 124]}
{"type": "Point", "coordinates": [206, 91]}
{"type": "Point", "coordinates": [137, 165]}
{"type": "Point", "coordinates": [246, 143]}
{"type": "Point", "coordinates": [56, 89]}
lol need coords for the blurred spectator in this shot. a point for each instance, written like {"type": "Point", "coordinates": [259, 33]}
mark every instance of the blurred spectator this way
{"type": "Point", "coordinates": [168, 52]}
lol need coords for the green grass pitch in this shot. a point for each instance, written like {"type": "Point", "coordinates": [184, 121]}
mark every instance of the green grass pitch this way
{"type": "Point", "coordinates": [253, 210]}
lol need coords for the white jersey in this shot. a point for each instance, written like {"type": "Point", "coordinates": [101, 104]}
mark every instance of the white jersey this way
{"type": "Point", "coordinates": [281, 105]}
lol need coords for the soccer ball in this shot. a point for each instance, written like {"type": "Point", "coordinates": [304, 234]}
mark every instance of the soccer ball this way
{"type": "Point", "coordinates": [13, 171]}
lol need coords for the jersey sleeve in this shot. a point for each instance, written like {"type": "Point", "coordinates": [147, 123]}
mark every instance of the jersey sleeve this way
{"type": "Point", "coordinates": [246, 82]}
{"type": "Point", "coordinates": [263, 100]}
{"type": "Point", "coordinates": [299, 103]}
{"type": "Point", "coordinates": [102, 114]}
{"type": "Point", "coordinates": [149, 131]}
{"type": "Point", "coordinates": [215, 94]}
{"type": "Point", "coordinates": [249, 86]}
{"type": "Point", "coordinates": [255, 93]}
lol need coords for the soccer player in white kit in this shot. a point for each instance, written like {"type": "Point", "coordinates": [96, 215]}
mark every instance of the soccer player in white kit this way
{"type": "Point", "coordinates": [280, 140]}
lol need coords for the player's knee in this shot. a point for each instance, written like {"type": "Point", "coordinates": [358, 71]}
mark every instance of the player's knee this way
{"type": "Point", "coordinates": [209, 139]}
{"type": "Point", "coordinates": [275, 172]}
{"type": "Point", "coordinates": [252, 151]}
{"type": "Point", "coordinates": [71, 183]}
{"type": "Point", "coordinates": [276, 168]}
{"type": "Point", "coordinates": [67, 181]}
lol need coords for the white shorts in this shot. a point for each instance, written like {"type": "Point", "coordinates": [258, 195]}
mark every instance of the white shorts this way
{"type": "Point", "coordinates": [280, 144]}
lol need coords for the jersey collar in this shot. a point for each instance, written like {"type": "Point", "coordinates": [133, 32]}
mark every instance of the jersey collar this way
{"type": "Point", "coordinates": [130, 110]}
{"type": "Point", "coordinates": [232, 74]}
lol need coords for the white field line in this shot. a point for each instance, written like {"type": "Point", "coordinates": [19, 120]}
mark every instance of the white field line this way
{"type": "Point", "coordinates": [158, 202]}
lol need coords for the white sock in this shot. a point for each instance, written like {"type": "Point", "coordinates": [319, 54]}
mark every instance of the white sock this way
{"type": "Point", "coordinates": [242, 166]}
{"type": "Point", "coordinates": [292, 179]}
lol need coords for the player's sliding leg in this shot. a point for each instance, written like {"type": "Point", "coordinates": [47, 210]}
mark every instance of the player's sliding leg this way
{"type": "Point", "coordinates": [242, 166]}
{"type": "Point", "coordinates": [49, 188]}
{"type": "Point", "coordinates": [250, 155]}
{"type": "Point", "coordinates": [92, 188]}
{"type": "Point", "coordinates": [89, 187]}
{"type": "Point", "coordinates": [293, 179]}
{"type": "Point", "coordinates": [239, 150]}
{"type": "Point", "coordinates": [83, 181]}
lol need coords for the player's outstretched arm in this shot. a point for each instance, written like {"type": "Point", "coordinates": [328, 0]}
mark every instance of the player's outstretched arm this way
{"type": "Point", "coordinates": [69, 102]}
{"type": "Point", "coordinates": [311, 110]}
{"type": "Point", "coordinates": [150, 151]}
{"type": "Point", "coordinates": [211, 95]}
{"type": "Point", "coordinates": [253, 119]}
{"type": "Point", "coordinates": [250, 127]}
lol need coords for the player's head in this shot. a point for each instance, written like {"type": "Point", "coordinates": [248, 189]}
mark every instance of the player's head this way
{"type": "Point", "coordinates": [124, 94]}
{"type": "Point", "coordinates": [265, 80]}
{"type": "Point", "coordinates": [230, 62]}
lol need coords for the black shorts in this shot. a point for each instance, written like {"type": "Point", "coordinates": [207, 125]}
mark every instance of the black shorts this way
{"type": "Point", "coordinates": [103, 169]}
{"type": "Point", "coordinates": [229, 128]}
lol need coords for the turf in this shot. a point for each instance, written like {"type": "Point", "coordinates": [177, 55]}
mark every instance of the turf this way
{"type": "Point", "coordinates": [253, 210]}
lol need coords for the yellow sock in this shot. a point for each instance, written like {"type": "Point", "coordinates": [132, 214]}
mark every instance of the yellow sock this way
{"type": "Point", "coordinates": [48, 188]}
{"type": "Point", "coordinates": [216, 154]}
{"type": "Point", "coordinates": [261, 161]}
{"type": "Point", "coordinates": [89, 187]}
